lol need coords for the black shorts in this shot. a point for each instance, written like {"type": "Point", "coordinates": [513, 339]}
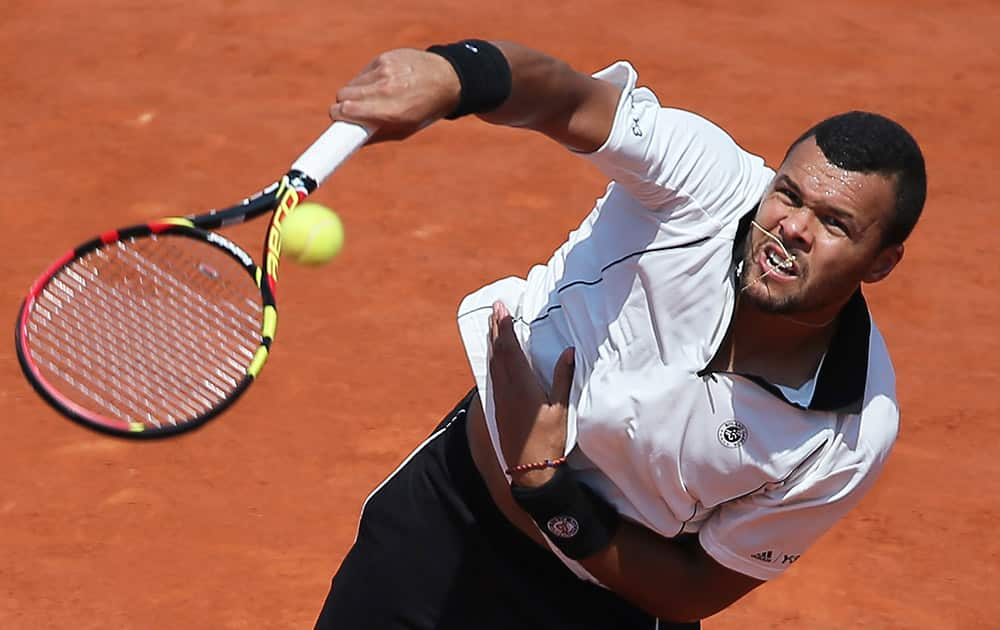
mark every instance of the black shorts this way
{"type": "Point", "coordinates": [434, 551]}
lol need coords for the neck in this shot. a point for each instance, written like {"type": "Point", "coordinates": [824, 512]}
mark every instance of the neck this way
{"type": "Point", "coordinates": [780, 348]}
{"type": "Point", "coordinates": [788, 330]}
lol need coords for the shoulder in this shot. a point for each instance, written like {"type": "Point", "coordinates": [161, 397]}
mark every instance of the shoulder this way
{"type": "Point", "coordinates": [879, 417]}
{"type": "Point", "coordinates": [671, 159]}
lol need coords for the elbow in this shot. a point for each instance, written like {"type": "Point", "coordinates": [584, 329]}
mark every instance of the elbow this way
{"type": "Point", "coordinates": [694, 602]}
{"type": "Point", "coordinates": [675, 603]}
{"type": "Point", "coordinates": [684, 612]}
{"type": "Point", "coordinates": [699, 596]}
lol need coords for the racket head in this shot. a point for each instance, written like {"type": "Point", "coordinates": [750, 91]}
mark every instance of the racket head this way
{"type": "Point", "coordinates": [122, 333]}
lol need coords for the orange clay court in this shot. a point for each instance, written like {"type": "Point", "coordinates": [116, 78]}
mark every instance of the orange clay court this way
{"type": "Point", "coordinates": [118, 112]}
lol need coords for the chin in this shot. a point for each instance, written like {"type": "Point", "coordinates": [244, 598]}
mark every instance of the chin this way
{"type": "Point", "coordinates": [768, 299]}
{"type": "Point", "coordinates": [768, 302]}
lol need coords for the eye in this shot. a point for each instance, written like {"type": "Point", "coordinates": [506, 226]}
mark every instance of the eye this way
{"type": "Point", "coordinates": [790, 197]}
{"type": "Point", "coordinates": [834, 224]}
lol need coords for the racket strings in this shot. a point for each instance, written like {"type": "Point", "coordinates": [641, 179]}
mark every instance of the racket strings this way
{"type": "Point", "coordinates": [113, 347]}
{"type": "Point", "coordinates": [138, 330]}
{"type": "Point", "coordinates": [156, 330]}
{"type": "Point", "coordinates": [127, 333]}
{"type": "Point", "coordinates": [181, 296]}
{"type": "Point", "coordinates": [83, 366]}
{"type": "Point", "coordinates": [123, 353]}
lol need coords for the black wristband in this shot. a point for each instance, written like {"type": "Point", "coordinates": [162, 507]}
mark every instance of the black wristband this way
{"type": "Point", "coordinates": [483, 73]}
{"type": "Point", "coordinates": [576, 520]}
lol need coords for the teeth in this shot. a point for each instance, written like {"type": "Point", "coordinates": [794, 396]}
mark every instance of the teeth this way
{"type": "Point", "coordinates": [777, 263]}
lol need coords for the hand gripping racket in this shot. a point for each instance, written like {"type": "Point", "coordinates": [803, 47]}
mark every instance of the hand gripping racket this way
{"type": "Point", "coordinates": [153, 329]}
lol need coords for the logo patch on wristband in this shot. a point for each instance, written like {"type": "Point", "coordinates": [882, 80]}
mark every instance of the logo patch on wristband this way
{"type": "Point", "coordinates": [563, 526]}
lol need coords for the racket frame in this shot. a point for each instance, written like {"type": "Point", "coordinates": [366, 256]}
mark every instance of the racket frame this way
{"type": "Point", "coordinates": [280, 199]}
{"type": "Point", "coordinates": [337, 143]}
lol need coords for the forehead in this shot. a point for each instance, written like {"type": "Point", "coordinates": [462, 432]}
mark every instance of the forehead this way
{"type": "Point", "coordinates": [870, 196]}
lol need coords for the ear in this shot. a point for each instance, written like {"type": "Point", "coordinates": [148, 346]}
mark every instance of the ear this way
{"type": "Point", "coordinates": [884, 262]}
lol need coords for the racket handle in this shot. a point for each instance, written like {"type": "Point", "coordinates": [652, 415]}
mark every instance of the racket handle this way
{"type": "Point", "coordinates": [337, 143]}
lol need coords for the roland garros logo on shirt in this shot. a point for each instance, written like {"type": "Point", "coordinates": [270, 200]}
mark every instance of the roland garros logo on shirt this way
{"type": "Point", "coordinates": [733, 433]}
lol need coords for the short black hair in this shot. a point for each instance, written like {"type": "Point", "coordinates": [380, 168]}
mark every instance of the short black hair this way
{"type": "Point", "coordinates": [863, 142]}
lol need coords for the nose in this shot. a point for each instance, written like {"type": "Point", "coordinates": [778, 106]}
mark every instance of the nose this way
{"type": "Point", "coordinates": [796, 229]}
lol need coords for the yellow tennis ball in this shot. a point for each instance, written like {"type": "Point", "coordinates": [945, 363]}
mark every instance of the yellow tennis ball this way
{"type": "Point", "coordinates": [312, 234]}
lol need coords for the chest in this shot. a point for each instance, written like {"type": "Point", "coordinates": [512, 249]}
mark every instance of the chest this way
{"type": "Point", "coordinates": [669, 439]}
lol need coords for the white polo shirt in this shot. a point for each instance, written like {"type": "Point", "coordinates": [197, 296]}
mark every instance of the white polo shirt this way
{"type": "Point", "coordinates": [644, 290]}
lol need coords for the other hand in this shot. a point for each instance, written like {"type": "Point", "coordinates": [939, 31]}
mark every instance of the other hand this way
{"type": "Point", "coordinates": [399, 93]}
{"type": "Point", "coordinates": [532, 425]}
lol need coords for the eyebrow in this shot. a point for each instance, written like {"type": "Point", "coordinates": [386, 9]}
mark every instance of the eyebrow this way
{"type": "Point", "coordinates": [840, 212]}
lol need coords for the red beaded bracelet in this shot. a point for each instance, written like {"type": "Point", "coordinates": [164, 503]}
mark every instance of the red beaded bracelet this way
{"type": "Point", "coordinates": [548, 463]}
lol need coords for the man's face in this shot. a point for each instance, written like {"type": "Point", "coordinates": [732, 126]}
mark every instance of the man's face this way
{"type": "Point", "coordinates": [831, 221]}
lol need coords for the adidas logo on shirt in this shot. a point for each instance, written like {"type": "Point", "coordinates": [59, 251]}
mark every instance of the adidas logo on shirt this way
{"type": "Point", "coordinates": [763, 556]}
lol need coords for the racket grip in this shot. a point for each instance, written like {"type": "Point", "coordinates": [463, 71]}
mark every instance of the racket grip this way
{"type": "Point", "coordinates": [337, 143]}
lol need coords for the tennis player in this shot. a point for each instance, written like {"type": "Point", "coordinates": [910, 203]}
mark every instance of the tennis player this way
{"type": "Point", "coordinates": [670, 410]}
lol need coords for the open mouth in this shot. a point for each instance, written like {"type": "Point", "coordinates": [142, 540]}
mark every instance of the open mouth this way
{"type": "Point", "coordinates": [777, 264]}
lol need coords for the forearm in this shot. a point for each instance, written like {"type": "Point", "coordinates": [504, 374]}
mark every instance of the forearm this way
{"type": "Point", "coordinates": [550, 97]}
{"type": "Point", "coordinates": [404, 90]}
{"type": "Point", "coordinates": [671, 578]}
{"type": "Point", "coordinates": [661, 576]}
{"type": "Point", "coordinates": [664, 577]}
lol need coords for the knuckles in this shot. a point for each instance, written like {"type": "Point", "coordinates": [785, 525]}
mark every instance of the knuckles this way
{"type": "Point", "coordinates": [383, 61]}
{"type": "Point", "coordinates": [388, 63]}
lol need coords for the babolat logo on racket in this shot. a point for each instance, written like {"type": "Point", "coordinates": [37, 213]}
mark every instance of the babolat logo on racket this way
{"type": "Point", "coordinates": [289, 199]}
{"type": "Point", "coordinates": [230, 246]}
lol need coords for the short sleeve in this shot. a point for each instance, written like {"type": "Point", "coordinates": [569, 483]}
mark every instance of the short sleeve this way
{"type": "Point", "coordinates": [763, 534]}
{"type": "Point", "coordinates": [670, 159]}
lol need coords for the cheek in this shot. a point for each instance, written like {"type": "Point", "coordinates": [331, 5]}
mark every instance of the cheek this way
{"type": "Point", "coordinates": [836, 263]}
{"type": "Point", "coordinates": [769, 212]}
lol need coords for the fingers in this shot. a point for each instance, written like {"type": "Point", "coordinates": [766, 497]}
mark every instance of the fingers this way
{"type": "Point", "coordinates": [562, 377]}
{"type": "Point", "coordinates": [508, 358]}
{"type": "Point", "coordinates": [361, 91]}
{"type": "Point", "coordinates": [401, 92]}
{"type": "Point", "coordinates": [505, 343]}
{"type": "Point", "coordinates": [372, 99]}
{"type": "Point", "coordinates": [500, 314]}
{"type": "Point", "coordinates": [368, 116]}
{"type": "Point", "coordinates": [358, 111]}
{"type": "Point", "coordinates": [366, 99]}
{"type": "Point", "coordinates": [507, 361]}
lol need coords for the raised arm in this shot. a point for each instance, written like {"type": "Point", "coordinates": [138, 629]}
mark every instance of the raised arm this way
{"type": "Point", "coordinates": [404, 90]}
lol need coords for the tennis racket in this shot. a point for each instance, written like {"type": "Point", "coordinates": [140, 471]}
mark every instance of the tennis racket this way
{"type": "Point", "coordinates": [153, 329]}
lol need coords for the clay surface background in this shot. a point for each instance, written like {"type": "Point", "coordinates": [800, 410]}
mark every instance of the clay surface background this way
{"type": "Point", "coordinates": [118, 111]}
